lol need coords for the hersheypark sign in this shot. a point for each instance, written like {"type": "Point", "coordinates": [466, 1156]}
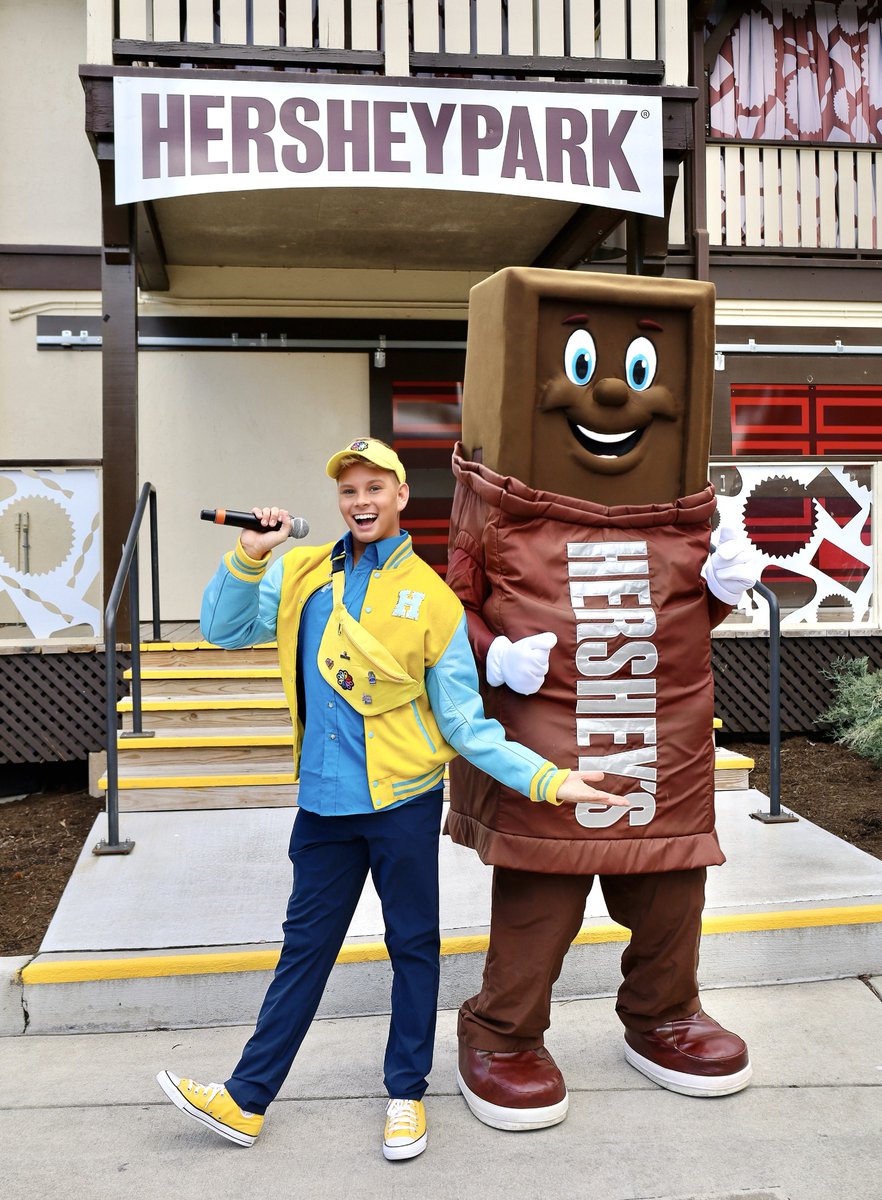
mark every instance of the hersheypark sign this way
{"type": "Point", "coordinates": [180, 137]}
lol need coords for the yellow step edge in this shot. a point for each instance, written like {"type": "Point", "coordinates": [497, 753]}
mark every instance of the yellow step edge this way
{"type": "Point", "coordinates": [200, 781]}
{"type": "Point", "coordinates": [151, 647]}
{"type": "Point", "coordinates": [718, 724]}
{"type": "Point", "coordinates": [158, 966]}
{"type": "Point", "coordinates": [191, 741]}
{"type": "Point", "coordinates": [157, 704]}
{"type": "Point", "coordinates": [728, 762]}
{"type": "Point", "coordinates": [207, 673]}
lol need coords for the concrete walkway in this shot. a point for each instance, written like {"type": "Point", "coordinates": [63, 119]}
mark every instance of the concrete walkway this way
{"type": "Point", "coordinates": [81, 1115]}
{"type": "Point", "coordinates": [184, 931]}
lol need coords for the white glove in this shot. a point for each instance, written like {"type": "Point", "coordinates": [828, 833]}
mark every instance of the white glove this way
{"type": "Point", "coordinates": [521, 665]}
{"type": "Point", "coordinates": [733, 567]}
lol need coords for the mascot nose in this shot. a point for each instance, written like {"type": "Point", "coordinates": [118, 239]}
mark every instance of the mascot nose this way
{"type": "Point", "coordinates": [611, 393]}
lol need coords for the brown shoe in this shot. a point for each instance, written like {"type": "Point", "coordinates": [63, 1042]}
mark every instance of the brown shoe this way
{"type": "Point", "coordinates": [512, 1090]}
{"type": "Point", "coordinates": [693, 1055]}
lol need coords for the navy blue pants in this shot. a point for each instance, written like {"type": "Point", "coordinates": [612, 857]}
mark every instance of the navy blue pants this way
{"type": "Point", "coordinates": [331, 857]}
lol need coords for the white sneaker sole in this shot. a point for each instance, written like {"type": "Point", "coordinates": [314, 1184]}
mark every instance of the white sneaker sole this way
{"type": "Point", "coordinates": [180, 1101]}
{"type": "Point", "coordinates": [516, 1120]}
{"type": "Point", "coordinates": [689, 1085]}
{"type": "Point", "coordinates": [411, 1150]}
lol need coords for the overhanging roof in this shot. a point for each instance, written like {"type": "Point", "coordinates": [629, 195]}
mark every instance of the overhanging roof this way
{"type": "Point", "coordinates": [372, 228]}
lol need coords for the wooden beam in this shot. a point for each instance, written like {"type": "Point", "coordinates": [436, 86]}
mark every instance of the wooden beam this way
{"type": "Point", "coordinates": [172, 54]}
{"type": "Point", "coordinates": [152, 275]}
{"type": "Point", "coordinates": [655, 230]}
{"type": "Point", "coordinates": [119, 377]}
{"type": "Point", "coordinates": [648, 71]}
{"type": "Point", "coordinates": [50, 268]}
{"type": "Point", "coordinates": [585, 230]}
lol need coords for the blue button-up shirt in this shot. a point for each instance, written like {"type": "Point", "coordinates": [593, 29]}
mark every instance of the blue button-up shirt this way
{"type": "Point", "coordinates": [333, 772]}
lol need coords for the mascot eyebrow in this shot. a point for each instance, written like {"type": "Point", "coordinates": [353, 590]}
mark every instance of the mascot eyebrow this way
{"type": "Point", "coordinates": [582, 319]}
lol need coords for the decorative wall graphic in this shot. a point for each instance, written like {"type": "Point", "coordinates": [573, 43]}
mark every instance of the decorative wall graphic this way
{"type": "Point", "coordinates": [790, 419]}
{"type": "Point", "coordinates": [811, 524]}
{"type": "Point", "coordinates": [63, 518]}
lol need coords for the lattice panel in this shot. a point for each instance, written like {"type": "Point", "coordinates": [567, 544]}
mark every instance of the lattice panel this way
{"type": "Point", "coordinates": [741, 679]}
{"type": "Point", "coordinates": [52, 706]}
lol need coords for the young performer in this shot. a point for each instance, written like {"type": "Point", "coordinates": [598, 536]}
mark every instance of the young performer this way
{"type": "Point", "coordinates": [383, 691]}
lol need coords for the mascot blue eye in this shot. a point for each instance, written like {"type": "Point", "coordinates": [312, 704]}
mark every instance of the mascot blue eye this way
{"type": "Point", "coordinates": [580, 357]}
{"type": "Point", "coordinates": [641, 362]}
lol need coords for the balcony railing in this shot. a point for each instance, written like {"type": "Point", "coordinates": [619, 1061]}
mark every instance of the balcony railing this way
{"type": "Point", "coordinates": [784, 195]}
{"type": "Point", "coordinates": [628, 39]}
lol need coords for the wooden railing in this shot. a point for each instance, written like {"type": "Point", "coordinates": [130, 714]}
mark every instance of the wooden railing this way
{"type": "Point", "coordinates": [636, 40]}
{"type": "Point", "coordinates": [785, 195]}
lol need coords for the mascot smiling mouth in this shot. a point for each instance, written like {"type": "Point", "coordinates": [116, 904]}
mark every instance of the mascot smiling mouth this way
{"type": "Point", "coordinates": [606, 445]}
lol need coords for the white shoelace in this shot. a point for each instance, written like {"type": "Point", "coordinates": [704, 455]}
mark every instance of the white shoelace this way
{"type": "Point", "coordinates": [208, 1090]}
{"type": "Point", "coordinates": [401, 1116]}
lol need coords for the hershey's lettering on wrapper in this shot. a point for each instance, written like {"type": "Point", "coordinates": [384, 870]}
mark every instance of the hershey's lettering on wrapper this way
{"type": "Point", "coordinates": [615, 718]}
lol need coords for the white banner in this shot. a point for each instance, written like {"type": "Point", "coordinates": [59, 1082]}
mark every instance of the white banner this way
{"type": "Point", "coordinates": [183, 136]}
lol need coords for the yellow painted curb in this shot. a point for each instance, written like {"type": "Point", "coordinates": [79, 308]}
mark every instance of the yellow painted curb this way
{"type": "Point", "coordinates": [200, 781]}
{"type": "Point", "coordinates": [152, 647]}
{"type": "Point", "coordinates": [157, 966]}
{"type": "Point", "coordinates": [207, 673]}
{"type": "Point", "coordinates": [192, 702]}
{"type": "Point", "coordinates": [192, 741]}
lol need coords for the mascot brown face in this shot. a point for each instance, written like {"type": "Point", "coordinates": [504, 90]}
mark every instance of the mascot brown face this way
{"type": "Point", "coordinates": [591, 386]}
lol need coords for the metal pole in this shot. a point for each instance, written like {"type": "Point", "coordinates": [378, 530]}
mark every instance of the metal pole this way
{"type": "Point", "coordinates": [113, 845]}
{"type": "Point", "coordinates": [128, 563]}
{"type": "Point", "coordinates": [154, 566]}
{"type": "Point", "coordinates": [776, 815]}
{"type": "Point", "coordinates": [134, 609]}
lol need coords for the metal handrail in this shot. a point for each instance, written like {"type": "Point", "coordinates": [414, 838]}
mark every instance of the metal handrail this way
{"type": "Point", "coordinates": [127, 571]}
{"type": "Point", "coordinates": [776, 815]}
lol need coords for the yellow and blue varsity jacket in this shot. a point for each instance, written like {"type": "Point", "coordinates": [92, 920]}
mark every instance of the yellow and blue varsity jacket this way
{"type": "Point", "coordinates": [413, 612]}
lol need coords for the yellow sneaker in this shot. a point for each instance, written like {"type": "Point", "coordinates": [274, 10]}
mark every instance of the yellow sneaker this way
{"type": "Point", "coordinates": [213, 1105]}
{"type": "Point", "coordinates": [405, 1133]}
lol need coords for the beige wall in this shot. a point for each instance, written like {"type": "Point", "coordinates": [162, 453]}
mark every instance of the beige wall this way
{"type": "Point", "coordinates": [49, 192]}
{"type": "Point", "coordinates": [230, 430]}
{"type": "Point", "coordinates": [50, 401]}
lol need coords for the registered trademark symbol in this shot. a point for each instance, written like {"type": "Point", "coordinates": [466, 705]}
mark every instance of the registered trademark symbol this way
{"type": "Point", "coordinates": [645, 113]}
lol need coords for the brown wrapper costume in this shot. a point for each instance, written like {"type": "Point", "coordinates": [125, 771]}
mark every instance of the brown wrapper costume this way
{"type": "Point", "coordinates": [582, 508]}
{"type": "Point", "coordinates": [629, 689]}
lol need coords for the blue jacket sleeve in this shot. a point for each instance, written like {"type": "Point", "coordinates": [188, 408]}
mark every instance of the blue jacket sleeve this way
{"type": "Point", "coordinates": [452, 687]}
{"type": "Point", "coordinates": [241, 603]}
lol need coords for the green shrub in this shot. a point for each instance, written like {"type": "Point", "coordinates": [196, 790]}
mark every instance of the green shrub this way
{"type": "Point", "coordinates": [855, 716]}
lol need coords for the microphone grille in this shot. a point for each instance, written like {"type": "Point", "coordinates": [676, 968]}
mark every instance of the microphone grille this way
{"type": "Point", "coordinates": [299, 527]}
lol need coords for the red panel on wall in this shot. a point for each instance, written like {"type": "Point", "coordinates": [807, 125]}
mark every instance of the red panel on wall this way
{"type": "Point", "coordinates": [797, 419]}
{"type": "Point", "coordinates": [426, 422]}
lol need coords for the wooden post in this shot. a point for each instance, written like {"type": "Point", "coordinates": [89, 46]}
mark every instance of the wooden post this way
{"type": "Point", "coordinates": [119, 373]}
{"type": "Point", "coordinates": [695, 176]}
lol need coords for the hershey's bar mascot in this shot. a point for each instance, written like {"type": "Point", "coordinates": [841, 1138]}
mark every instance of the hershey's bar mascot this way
{"type": "Point", "coordinates": [580, 529]}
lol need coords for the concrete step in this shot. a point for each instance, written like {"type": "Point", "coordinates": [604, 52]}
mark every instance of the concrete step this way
{"type": "Point", "coordinates": [253, 681]}
{"type": "Point", "coordinates": [184, 930]}
{"type": "Point", "coordinates": [225, 760]}
{"type": "Point", "coordinates": [179, 737]}
{"type": "Point", "coordinates": [177, 711]}
{"type": "Point", "coordinates": [731, 771]}
{"type": "Point", "coordinates": [276, 790]}
{"type": "Point", "coordinates": [204, 654]}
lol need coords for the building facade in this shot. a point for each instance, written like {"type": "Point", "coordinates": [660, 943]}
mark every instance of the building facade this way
{"type": "Point", "coordinates": [182, 304]}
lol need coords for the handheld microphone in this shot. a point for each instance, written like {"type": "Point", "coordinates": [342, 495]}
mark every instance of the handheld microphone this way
{"type": "Point", "coordinates": [247, 520]}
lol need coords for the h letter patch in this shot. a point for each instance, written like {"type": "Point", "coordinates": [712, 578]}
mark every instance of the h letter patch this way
{"type": "Point", "coordinates": [409, 605]}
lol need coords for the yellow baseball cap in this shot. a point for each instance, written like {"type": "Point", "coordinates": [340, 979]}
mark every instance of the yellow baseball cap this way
{"type": "Point", "coordinates": [371, 451]}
